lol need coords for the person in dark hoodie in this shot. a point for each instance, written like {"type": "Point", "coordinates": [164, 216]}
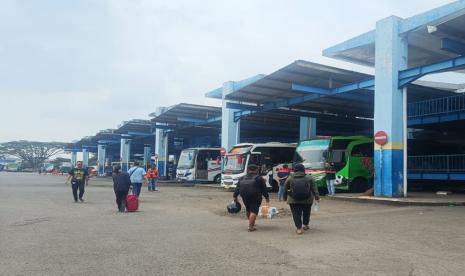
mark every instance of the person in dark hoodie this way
{"type": "Point", "coordinates": [300, 190]}
{"type": "Point", "coordinates": [251, 188]}
{"type": "Point", "coordinates": [121, 185]}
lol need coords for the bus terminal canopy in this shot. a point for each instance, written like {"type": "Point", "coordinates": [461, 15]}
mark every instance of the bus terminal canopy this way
{"type": "Point", "coordinates": [187, 115]}
{"type": "Point", "coordinates": [304, 86]}
{"type": "Point", "coordinates": [433, 36]}
{"type": "Point", "coordinates": [135, 127]}
{"type": "Point", "coordinates": [309, 89]}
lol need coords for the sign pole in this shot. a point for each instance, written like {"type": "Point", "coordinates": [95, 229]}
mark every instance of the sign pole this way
{"type": "Point", "coordinates": [381, 170]}
{"type": "Point", "coordinates": [381, 139]}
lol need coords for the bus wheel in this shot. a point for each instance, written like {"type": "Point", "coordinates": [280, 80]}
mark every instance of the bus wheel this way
{"type": "Point", "coordinates": [358, 185]}
{"type": "Point", "coordinates": [217, 179]}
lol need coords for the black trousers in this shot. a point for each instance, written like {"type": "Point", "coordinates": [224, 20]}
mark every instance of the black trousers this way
{"type": "Point", "coordinates": [121, 199]}
{"type": "Point", "coordinates": [301, 214]}
{"type": "Point", "coordinates": [77, 186]}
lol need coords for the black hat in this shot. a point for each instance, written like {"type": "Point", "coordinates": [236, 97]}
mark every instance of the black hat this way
{"type": "Point", "coordinates": [252, 168]}
{"type": "Point", "coordinates": [299, 168]}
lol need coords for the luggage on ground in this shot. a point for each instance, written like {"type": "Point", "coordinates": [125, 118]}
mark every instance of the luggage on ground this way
{"type": "Point", "coordinates": [132, 202]}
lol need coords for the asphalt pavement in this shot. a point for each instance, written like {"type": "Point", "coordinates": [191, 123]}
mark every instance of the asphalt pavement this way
{"type": "Point", "coordinates": [187, 231]}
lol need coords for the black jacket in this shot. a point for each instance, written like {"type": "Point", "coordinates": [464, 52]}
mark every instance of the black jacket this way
{"type": "Point", "coordinates": [121, 182]}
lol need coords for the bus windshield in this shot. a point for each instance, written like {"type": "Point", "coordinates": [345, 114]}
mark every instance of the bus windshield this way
{"type": "Point", "coordinates": [186, 160]}
{"type": "Point", "coordinates": [234, 163]}
{"type": "Point", "coordinates": [311, 153]}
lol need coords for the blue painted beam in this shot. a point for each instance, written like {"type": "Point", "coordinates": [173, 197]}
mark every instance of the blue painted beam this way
{"type": "Point", "coordinates": [243, 106]}
{"type": "Point", "coordinates": [368, 84]}
{"type": "Point", "coordinates": [409, 75]}
{"type": "Point", "coordinates": [137, 133]}
{"type": "Point", "coordinates": [163, 127]}
{"type": "Point", "coordinates": [453, 46]}
{"type": "Point", "coordinates": [191, 120]}
{"type": "Point", "coordinates": [108, 141]}
{"type": "Point", "coordinates": [310, 89]}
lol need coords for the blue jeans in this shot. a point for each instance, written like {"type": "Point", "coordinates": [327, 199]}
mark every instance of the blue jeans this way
{"type": "Point", "coordinates": [136, 188]}
{"type": "Point", "coordinates": [153, 185]}
{"type": "Point", "coordinates": [330, 186]}
{"type": "Point", "coordinates": [281, 192]}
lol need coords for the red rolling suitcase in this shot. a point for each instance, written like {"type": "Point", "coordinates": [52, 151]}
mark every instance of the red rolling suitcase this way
{"type": "Point", "coordinates": [132, 202]}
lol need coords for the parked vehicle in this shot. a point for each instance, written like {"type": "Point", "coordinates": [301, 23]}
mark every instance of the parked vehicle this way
{"type": "Point", "coordinates": [269, 157]}
{"type": "Point", "coordinates": [199, 164]}
{"type": "Point", "coordinates": [351, 156]}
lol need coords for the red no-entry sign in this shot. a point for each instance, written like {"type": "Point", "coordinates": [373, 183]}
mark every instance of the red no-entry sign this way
{"type": "Point", "coordinates": [381, 138]}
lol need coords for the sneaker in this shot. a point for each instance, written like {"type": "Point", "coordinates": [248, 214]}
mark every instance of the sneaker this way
{"type": "Point", "coordinates": [81, 200]}
{"type": "Point", "coordinates": [306, 227]}
{"type": "Point", "coordinates": [299, 231]}
{"type": "Point", "coordinates": [75, 201]}
{"type": "Point", "coordinates": [252, 228]}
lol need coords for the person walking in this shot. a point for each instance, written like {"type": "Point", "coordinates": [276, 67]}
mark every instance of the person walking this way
{"type": "Point", "coordinates": [121, 185]}
{"type": "Point", "coordinates": [137, 176]}
{"type": "Point", "coordinates": [79, 177]}
{"type": "Point", "coordinates": [251, 188]}
{"type": "Point", "coordinates": [152, 177]}
{"type": "Point", "coordinates": [300, 190]}
{"type": "Point", "coordinates": [330, 178]}
{"type": "Point", "coordinates": [283, 174]}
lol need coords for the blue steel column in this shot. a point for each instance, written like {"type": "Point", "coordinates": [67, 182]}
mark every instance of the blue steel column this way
{"type": "Point", "coordinates": [230, 130]}
{"type": "Point", "coordinates": [85, 158]}
{"type": "Point", "coordinates": [307, 128]}
{"type": "Point", "coordinates": [73, 159]}
{"type": "Point", "coordinates": [101, 155]}
{"type": "Point", "coordinates": [125, 152]}
{"type": "Point", "coordinates": [147, 155]}
{"type": "Point", "coordinates": [391, 56]}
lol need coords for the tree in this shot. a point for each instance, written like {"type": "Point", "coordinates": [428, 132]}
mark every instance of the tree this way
{"type": "Point", "coordinates": [32, 154]}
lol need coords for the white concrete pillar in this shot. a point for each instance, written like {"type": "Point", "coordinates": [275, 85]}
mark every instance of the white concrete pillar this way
{"type": "Point", "coordinates": [307, 128]}
{"type": "Point", "coordinates": [125, 152]}
{"type": "Point", "coordinates": [147, 155]}
{"type": "Point", "coordinates": [85, 158]}
{"type": "Point", "coordinates": [101, 156]}
{"type": "Point", "coordinates": [73, 159]}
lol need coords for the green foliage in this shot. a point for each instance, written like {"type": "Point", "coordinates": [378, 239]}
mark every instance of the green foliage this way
{"type": "Point", "coordinates": [31, 153]}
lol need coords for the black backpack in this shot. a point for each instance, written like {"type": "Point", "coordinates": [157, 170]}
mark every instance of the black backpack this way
{"type": "Point", "coordinates": [248, 187]}
{"type": "Point", "coordinates": [300, 188]}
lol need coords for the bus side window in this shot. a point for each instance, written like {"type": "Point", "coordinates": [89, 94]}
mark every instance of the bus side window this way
{"type": "Point", "coordinates": [363, 150]}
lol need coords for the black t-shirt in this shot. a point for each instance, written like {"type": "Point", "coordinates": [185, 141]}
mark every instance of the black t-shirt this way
{"type": "Point", "coordinates": [79, 175]}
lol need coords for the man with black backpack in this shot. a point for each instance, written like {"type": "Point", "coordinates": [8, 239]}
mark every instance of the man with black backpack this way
{"type": "Point", "coordinates": [251, 188]}
{"type": "Point", "coordinates": [300, 190]}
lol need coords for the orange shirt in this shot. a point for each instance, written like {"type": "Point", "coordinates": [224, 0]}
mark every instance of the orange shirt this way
{"type": "Point", "coordinates": [151, 173]}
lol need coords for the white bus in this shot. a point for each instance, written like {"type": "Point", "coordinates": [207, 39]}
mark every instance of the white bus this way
{"type": "Point", "coordinates": [199, 164]}
{"type": "Point", "coordinates": [269, 157]}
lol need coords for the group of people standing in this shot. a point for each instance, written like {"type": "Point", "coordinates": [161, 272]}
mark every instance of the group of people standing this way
{"type": "Point", "coordinates": [134, 178]}
{"type": "Point", "coordinates": [123, 182]}
{"type": "Point", "coordinates": [298, 189]}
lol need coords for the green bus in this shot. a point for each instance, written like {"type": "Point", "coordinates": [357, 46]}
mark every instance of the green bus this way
{"type": "Point", "coordinates": [351, 156]}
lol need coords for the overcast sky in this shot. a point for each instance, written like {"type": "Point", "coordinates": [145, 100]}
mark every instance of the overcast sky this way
{"type": "Point", "coordinates": [71, 68]}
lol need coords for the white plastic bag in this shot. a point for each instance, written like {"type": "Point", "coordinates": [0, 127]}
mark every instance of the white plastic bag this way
{"type": "Point", "coordinates": [316, 206]}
